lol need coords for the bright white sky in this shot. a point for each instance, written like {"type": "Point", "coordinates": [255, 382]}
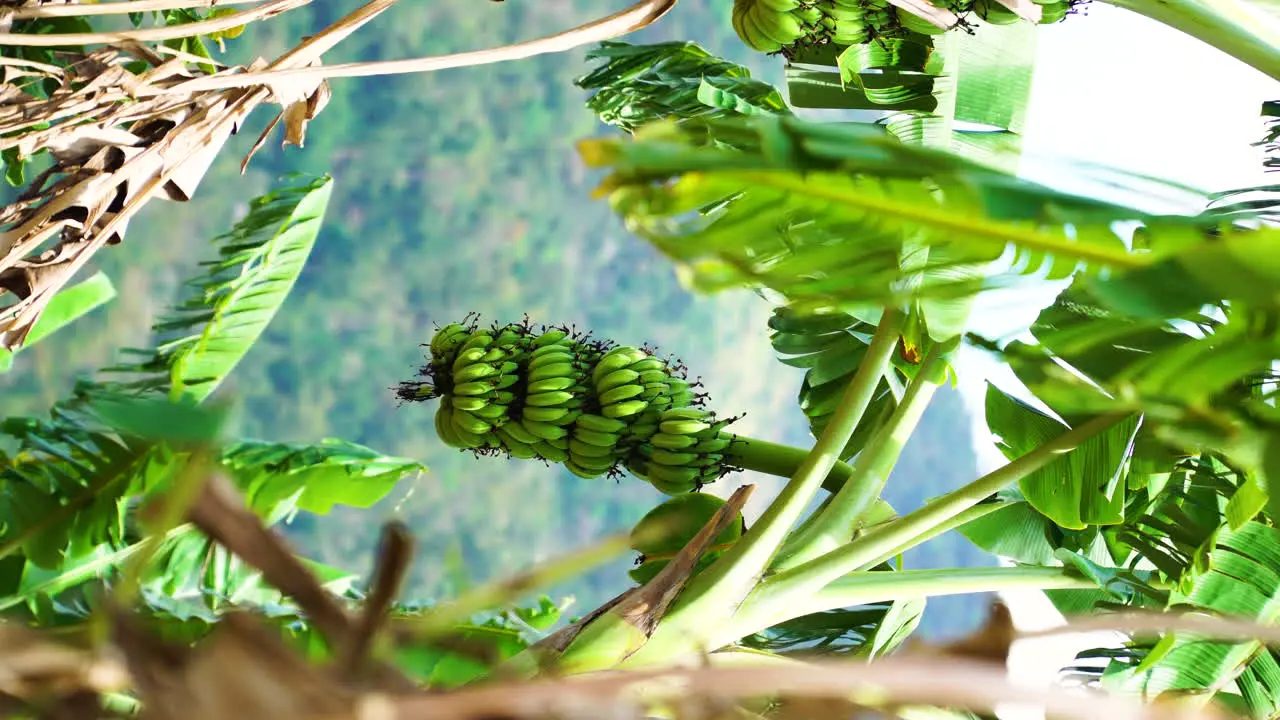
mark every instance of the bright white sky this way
{"type": "Point", "coordinates": [1117, 89]}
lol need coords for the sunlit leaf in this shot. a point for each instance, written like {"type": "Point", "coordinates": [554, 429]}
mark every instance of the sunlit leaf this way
{"type": "Point", "coordinates": [230, 306]}
{"type": "Point", "coordinates": [313, 478]}
{"type": "Point", "coordinates": [1082, 487]}
{"type": "Point", "coordinates": [66, 307]}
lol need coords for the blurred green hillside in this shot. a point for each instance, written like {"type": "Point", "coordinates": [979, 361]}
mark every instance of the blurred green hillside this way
{"type": "Point", "coordinates": [461, 191]}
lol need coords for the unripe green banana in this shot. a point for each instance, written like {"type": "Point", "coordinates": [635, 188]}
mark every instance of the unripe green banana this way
{"type": "Point", "coordinates": [600, 424]}
{"type": "Point", "coordinates": [598, 464]}
{"type": "Point", "coordinates": [444, 427]}
{"type": "Point", "coordinates": [1052, 12]}
{"type": "Point", "coordinates": [550, 337]}
{"type": "Point", "coordinates": [467, 358]}
{"type": "Point", "coordinates": [673, 475]}
{"type": "Point", "coordinates": [546, 350]}
{"type": "Point", "coordinates": [672, 459]}
{"type": "Point", "coordinates": [550, 385]}
{"type": "Point", "coordinates": [682, 427]}
{"type": "Point", "coordinates": [994, 13]}
{"type": "Point", "coordinates": [544, 414]}
{"type": "Point", "coordinates": [473, 388]}
{"type": "Point", "coordinates": [550, 358]}
{"type": "Point", "coordinates": [550, 452]}
{"type": "Point", "coordinates": [673, 442]}
{"type": "Point", "coordinates": [469, 403]}
{"type": "Point", "coordinates": [470, 423]}
{"type": "Point", "coordinates": [519, 433]}
{"type": "Point", "coordinates": [520, 450]}
{"type": "Point", "coordinates": [624, 409]}
{"type": "Point", "coordinates": [478, 341]}
{"type": "Point", "coordinates": [543, 430]}
{"type": "Point", "coordinates": [581, 471]}
{"type": "Point", "coordinates": [478, 371]}
{"type": "Point", "coordinates": [615, 379]}
{"type": "Point", "coordinates": [647, 364]}
{"type": "Point", "coordinates": [548, 399]}
{"type": "Point", "coordinates": [618, 394]}
{"type": "Point", "coordinates": [915, 23]}
{"type": "Point", "coordinates": [551, 371]}
{"type": "Point", "coordinates": [713, 445]}
{"type": "Point", "coordinates": [599, 439]}
{"type": "Point", "coordinates": [616, 359]}
{"type": "Point", "coordinates": [578, 448]}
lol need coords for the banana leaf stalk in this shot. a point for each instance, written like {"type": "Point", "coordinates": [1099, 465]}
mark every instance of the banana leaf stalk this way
{"type": "Point", "coordinates": [1247, 31]}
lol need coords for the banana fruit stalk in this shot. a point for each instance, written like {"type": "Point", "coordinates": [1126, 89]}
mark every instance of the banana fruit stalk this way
{"type": "Point", "coordinates": [786, 26]}
{"type": "Point", "coordinates": [559, 397]}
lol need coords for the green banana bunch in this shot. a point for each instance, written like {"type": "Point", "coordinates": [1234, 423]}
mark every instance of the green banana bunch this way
{"type": "Point", "coordinates": [560, 397]}
{"type": "Point", "coordinates": [789, 25]}
{"type": "Point", "coordinates": [686, 452]}
{"type": "Point", "coordinates": [771, 25]}
{"type": "Point", "coordinates": [476, 372]}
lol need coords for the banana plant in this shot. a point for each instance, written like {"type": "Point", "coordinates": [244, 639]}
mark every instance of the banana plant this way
{"type": "Point", "coordinates": [69, 494]}
{"type": "Point", "coordinates": [875, 243]}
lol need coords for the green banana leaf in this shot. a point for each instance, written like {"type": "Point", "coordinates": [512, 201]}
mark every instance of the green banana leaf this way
{"type": "Point", "coordinates": [1083, 487]}
{"type": "Point", "coordinates": [1241, 581]}
{"type": "Point", "coordinates": [281, 478]}
{"type": "Point", "coordinates": [66, 307]}
{"type": "Point", "coordinates": [258, 262]}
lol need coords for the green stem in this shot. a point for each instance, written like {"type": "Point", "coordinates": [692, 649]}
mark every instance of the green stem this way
{"type": "Point", "coordinates": [833, 527]}
{"type": "Point", "coordinates": [787, 589]}
{"type": "Point", "coordinates": [1238, 28]}
{"type": "Point", "coordinates": [718, 590]}
{"type": "Point", "coordinates": [769, 458]}
{"type": "Point", "coordinates": [862, 588]}
{"type": "Point", "coordinates": [952, 523]}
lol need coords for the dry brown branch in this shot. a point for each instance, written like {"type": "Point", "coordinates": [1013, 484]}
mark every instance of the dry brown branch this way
{"type": "Point", "coordinates": [120, 139]}
{"type": "Point", "coordinates": [941, 17]}
{"type": "Point", "coordinates": [940, 682]}
{"type": "Point", "coordinates": [268, 9]}
{"type": "Point", "coordinates": [1207, 626]}
{"type": "Point", "coordinates": [114, 152]}
{"type": "Point", "coordinates": [242, 670]}
{"type": "Point", "coordinates": [31, 665]}
{"type": "Point", "coordinates": [646, 607]}
{"type": "Point", "coordinates": [395, 554]}
{"type": "Point", "coordinates": [114, 8]}
{"type": "Point", "coordinates": [638, 16]}
{"type": "Point", "coordinates": [221, 514]}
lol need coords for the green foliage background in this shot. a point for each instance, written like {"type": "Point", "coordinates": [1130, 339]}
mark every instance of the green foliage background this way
{"type": "Point", "coordinates": [461, 191]}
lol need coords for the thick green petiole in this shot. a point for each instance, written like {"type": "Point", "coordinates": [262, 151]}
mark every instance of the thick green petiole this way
{"type": "Point", "coordinates": [951, 523]}
{"type": "Point", "coordinates": [1244, 30]}
{"type": "Point", "coordinates": [862, 588]}
{"type": "Point", "coordinates": [769, 458]}
{"type": "Point", "coordinates": [780, 593]}
{"type": "Point", "coordinates": [833, 525]}
{"type": "Point", "coordinates": [716, 592]}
